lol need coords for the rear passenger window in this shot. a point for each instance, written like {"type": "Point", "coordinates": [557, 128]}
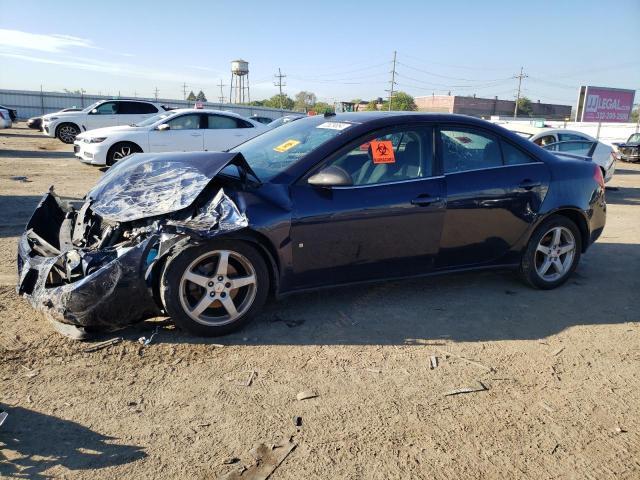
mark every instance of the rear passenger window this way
{"type": "Point", "coordinates": [136, 108]}
{"type": "Point", "coordinates": [513, 155]}
{"type": "Point", "coordinates": [467, 149]}
{"type": "Point", "coordinates": [221, 122]}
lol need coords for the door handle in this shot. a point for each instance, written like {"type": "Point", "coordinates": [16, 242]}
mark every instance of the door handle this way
{"type": "Point", "coordinates": [528, 184]}
{"type": "Point", "coordinates": [426, 200]}
{"type": "Point", "coordinates": [196, 135]}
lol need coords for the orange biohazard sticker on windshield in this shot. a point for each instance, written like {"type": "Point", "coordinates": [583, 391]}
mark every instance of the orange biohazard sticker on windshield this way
{"type": "Point", "coordinates": [288, 145]}
{"type": "Point", "coordinates": [382, 151]}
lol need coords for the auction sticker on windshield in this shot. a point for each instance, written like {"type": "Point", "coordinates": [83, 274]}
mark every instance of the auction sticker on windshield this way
{"type": "Point", "coordinates": [382, 151]}
{"type": "Point", "coordinates": [334, 125]}
{"type": "Point", "coordinates": [288, 145]}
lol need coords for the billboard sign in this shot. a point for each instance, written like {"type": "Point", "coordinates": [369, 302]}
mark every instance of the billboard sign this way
{"type": "Point", "coordinates": [601, 104]}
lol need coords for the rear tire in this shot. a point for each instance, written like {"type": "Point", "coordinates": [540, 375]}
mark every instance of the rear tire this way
{"type": "Point", "coordinates": [67, 132]}
{"type": "Point", "coordinates": [552, 254]}
{"type": "Point", "coordinates": [215, 288]}
{"type": "Point", "coordinates": [121, 150]}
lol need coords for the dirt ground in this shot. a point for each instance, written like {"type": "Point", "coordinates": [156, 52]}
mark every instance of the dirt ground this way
{"type": "Point", "coordinates": [561, 370]}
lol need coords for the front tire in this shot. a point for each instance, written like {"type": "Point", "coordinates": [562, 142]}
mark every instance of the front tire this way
{"type": "Point", "coordinates": [67, 132]}
{"type": "Point", "coordinates": [121, 150]}
{"type": "Point", "coordinates": [215, 288]}
{"type": "Point", "coordinates": [552, 254]}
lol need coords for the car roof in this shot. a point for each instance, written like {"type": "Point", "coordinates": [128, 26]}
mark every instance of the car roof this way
{"type": "Point", "coordinates": [208, 110]}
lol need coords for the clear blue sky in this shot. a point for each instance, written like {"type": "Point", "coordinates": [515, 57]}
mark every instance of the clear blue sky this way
{"type": "Point", "coordinates": [340, 50]}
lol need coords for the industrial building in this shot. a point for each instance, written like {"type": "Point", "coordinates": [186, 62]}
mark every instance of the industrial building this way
{"type": "Point", "coordinates": [486, 107]}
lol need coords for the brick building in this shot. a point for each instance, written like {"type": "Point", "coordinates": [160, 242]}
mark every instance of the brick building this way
{"type": "Point", "coordinates": [486, 107]}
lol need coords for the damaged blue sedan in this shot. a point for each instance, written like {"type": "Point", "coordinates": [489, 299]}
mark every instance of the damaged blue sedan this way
{"type": "Point", "coordinates": [329, 200]}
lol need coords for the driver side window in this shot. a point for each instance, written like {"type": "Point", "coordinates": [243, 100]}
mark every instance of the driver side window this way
{"type": "Point", "coordinates": [393, 157]}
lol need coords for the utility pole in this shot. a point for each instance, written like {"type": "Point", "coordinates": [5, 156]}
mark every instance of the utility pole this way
{"type": "Point", "coordinates": [279, 84]}
{"type": "Point", "coordinates": [393, 79]}
{"type": "Point", "coordinates": [221, 97]}
{"type": "Point", "coordinates": [155, 94]}
{"type": "Point", "coordinates": [184, 91]}
{"type": "Point", "coordinates": [135, 94]}
{"type": "Point", "coordinates": [519, 77]}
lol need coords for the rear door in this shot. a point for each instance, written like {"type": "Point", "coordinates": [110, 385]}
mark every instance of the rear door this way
{"type": "Point", "coordinates": [493, 192]}
{"type": "Point", "coordinates": [387, 224]}
{"type": "Point", "coordinates": [184, 135]}
{"type": "Point", "coordinates": [222, 132]}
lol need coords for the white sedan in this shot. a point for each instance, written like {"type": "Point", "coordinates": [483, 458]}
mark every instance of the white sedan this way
{"type": "Point", "coordinates": [182, 130]}
{"type": "Point", "coordinates": [571, 142]}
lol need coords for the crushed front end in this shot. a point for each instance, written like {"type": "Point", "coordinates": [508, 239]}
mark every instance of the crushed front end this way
{"type": "Point", "coordinates": [91, 265]}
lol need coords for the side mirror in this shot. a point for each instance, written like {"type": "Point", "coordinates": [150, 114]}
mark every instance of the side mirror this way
{"type": "Point", "coordinates": [94, 111]}
{"type": "Point", "coordinates": [331, 177]}
{"type": "Point", "coordinates": [163, 127]}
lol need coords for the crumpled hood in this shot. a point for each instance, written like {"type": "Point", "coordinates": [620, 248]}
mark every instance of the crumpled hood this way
{"type": "Point", "coordinates": [147, 185]}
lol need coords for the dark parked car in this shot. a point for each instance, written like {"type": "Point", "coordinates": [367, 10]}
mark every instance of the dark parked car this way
{"type": "Point", "coordinates": [36, 122]}
{"type": "Point", "coordinates": [207, 237]}
{"type": "Point", "coordinates": [630, 151]}
{"type": "Point", "coordinates": [278, 122]}
{"type": "Point", "coordinates": [13, 113]}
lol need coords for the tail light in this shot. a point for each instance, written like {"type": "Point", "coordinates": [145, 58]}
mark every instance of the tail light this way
{"type": "Point", "coordinates": [597, 176]}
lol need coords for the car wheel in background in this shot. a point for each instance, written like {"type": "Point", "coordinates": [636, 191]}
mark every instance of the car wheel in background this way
{"type": "Point", "coordinates": [120, 151]}
{"type": "Point", "coordinates": [552, 254]}
{"type": "Point", "coordinates": [67, 132]}
{"type": "Point", "coordinates": [215, 288]}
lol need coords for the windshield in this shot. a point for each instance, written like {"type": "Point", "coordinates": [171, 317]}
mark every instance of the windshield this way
{"type": "Point", "coordinates": [92, 106]}
{"type": "Point", "coordinates": [276, 150]}
{"type": "Point", "coordinates": [635, 138]}
{"type": "Point", "coordinates": [154, 119]}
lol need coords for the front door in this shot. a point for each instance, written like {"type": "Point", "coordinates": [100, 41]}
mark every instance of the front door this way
{"type": "Point", "coordinates": [493, 193]}
{"type": "Point", "coordinates": [104, 115]}
{"type": "Point", "coordinates": [387, 224]}
{"type": "Point", "coordinates": [184, 135]}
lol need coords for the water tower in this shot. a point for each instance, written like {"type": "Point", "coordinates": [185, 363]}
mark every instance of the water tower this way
{"type": "Point", "coordinates": [239, 92]}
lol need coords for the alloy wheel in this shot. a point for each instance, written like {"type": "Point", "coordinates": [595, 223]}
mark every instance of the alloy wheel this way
{"type": "Point", "coordinates": [67, 133]}
{"type": "Point", "coordinates": [218, 287]}
{"type": "Point", "coordinates": [554, 253]}
{"type": "Point", "coordinates": [123, 151]}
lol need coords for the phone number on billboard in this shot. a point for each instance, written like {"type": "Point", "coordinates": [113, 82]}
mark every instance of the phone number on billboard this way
{"type": "Point", "coordinates": [609, 116]}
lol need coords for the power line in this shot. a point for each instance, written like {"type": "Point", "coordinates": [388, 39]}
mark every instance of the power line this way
{"type": "Point", "coordinates": [279, 84]}
{"type": "Point", "coordinates": [447, 76]}
{"type": "Point", "coordinates": [519, 77]}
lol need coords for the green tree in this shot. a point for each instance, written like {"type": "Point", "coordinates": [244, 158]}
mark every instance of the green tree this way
{"type": "Point", "coordinates": [304, 101]}
{"type": "Point", "coordinates": [372, 106]}
{"type": "Point", "coordinates": [401, 101]}
{"type": "Point", "coordinates": [201, 97]}
{"type": "Point", "coordinates": [276, 101]}
{"type": "Point", "coordinates": [322, 107]}
{"type": "Point", "coordinates": [257, 103]}
{"type": "Point", "coordinates": [191, 97]}
{"type": "Point", "coordinates": [635, 114]}
{"type": "Point", "coordinates": [524, 107]}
